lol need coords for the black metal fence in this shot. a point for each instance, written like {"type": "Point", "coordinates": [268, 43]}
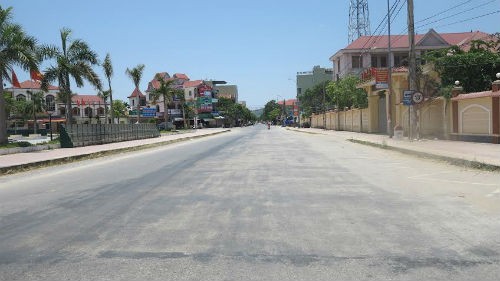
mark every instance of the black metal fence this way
{"type": "Point", "coordinates": [92, 134]}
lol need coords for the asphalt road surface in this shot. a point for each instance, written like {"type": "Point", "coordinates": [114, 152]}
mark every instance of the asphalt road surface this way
{"type": "Point", "coordinates": [252, 204]}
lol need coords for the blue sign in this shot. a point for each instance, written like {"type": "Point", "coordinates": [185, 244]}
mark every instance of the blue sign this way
{"type": "Point", "coordinates": [148, 112]}
{"type": "Point", "coordinates": [407, 98]}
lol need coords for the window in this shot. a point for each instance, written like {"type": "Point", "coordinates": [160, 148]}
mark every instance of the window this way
{"type": "Point", "coordinates": [338, 66]}
{"type": "Point", "coordinates": [88, 112]}
{"type": "Point", "coordinates": [20, 97]}
{"type": "Point", "coordinates": [62, 110]}
{"type": "Point", "coordinates": [357, 61]}
{"type": "Point", "coordinates": [379, 61]}
{"type": "Point", "coordinates": [100, 111]}
{"type": "Point", "coordinates": [190, 93]}
{"type": "Point", "coordinates": [383, 61]}
{"type": "Point", "coordinates": [50, 103]}
{"type": "Point", "coordinates": [400, 60]}
{"type": "Point", "coordinates": [299, 91]}
{"type": "Point", "coordinates": [75, 111]}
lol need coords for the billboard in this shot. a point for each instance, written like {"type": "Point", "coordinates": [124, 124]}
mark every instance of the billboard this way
{"type": "Point", "coordinates": [204, 104]}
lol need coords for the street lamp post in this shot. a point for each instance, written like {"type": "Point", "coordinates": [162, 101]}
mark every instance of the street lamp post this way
{"type": "Point", "coordinates": [50, 112]}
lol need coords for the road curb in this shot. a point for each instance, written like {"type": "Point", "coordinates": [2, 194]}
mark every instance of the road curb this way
{"type": "Point", "coordinates": [450, 160]}
{"type": "Point", "coordinates": [64, 160]}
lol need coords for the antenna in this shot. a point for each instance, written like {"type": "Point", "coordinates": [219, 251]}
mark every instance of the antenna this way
{"type": "Point", "coordinates": [359, 19]}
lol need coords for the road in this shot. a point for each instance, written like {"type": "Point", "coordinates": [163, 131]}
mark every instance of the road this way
{"type": "Point", "coordinates": [252, 204]}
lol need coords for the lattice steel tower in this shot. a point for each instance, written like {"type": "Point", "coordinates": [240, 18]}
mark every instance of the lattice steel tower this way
{"type": "Point", "coordinates": [359, 20]}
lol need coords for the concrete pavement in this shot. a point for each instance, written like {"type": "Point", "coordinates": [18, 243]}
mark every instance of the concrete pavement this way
{"type": "Point", "coordinates": [477, 155]}
{"type": "Point", "coordinates": [11, 163]}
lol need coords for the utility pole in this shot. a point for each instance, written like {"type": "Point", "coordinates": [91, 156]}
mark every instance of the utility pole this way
{"type": "Point", "coordinates": [389, 75]}
{"type": "Point", "coordinates": [324, 105]}
{"type": "Point", "coordinates": [412, 70]}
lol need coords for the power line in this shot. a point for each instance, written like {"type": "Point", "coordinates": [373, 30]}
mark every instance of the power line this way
{"type": "Point", "coordinates": [459, 13]}
{"type": "Point", "coordinates": [469, 19]}
{"type": "Point", "coordinates": [403, 33]}
{"type": "Point", "coordinates": [442, 12]}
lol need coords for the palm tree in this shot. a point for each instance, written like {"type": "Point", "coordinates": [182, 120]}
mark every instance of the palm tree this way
{"type": "Point", "coordinates": [166, 93]}
{"type": "Point", "coordinates": [108, 72]}
{"type": "Point", "coordinates": [16, 48]}
{"type": "Point", "coordinates": [73, 60]}
{"type": "Point", "coordinates": [104, 95]}
{"type": "Point", "coordinates": [36, 105]}
{"type": "Point", "coordinates": [135, 75]}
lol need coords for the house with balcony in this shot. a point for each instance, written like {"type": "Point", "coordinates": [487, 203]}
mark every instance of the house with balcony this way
{"type": "Point", "coordinates": [174, 106]}
{"type": "Point", "coordinates": [372, 51]}
{"type": "Point", "coordinates": [368, 58]}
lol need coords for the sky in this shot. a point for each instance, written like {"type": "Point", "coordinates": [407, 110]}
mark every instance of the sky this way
{"type": "Point", "coordinates": [257, 45]}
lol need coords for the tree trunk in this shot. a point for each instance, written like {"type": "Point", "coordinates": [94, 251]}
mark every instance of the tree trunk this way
{"type": "Point", "coordinates": [111, 102]}
{"type": "Point", "coordinates": [3, 115]}
{"type": "Point", "coordinates": [165, 110]}
{"type": "Point", "coordinates": [184, 116]}
{"type": "Point", "coordinates": [34, 118]}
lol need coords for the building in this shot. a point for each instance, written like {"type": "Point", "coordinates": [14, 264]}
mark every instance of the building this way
{"type": "Point", "coordinates": [88, 109]}
{"type": "Point", "coordinates": [372, 51]}
{"type": "Point", "coordinates": [157, 107]}
{"type": "Point", "coordinates": [227, 91]}
{"type": "Point", "coordinates": [308, 79]}
{"type": "Point", "coordinates": [85, 108]}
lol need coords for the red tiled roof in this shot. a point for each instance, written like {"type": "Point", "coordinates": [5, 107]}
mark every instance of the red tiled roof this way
{"type": "Point", "coordinates": [288, 102]}
{"type": "Point", "coordinates": [194, 83]}
{"type": "Point", "coordinates": [484, 94]}
{"type": "Point", "coordinates": [163, 75]}
{"type": "Point", "coordinates": [401, 41]}
{"type": "Point", "coordinates": [88, 99]}
{"type": "Point", "coordinates": [30, 84]}
{"type": "Point", "coordinates": [181, 76]}
{"type": "Point", "coordinates": [155, 84]}
{"type": "Point", "coordinates": [135, 93]}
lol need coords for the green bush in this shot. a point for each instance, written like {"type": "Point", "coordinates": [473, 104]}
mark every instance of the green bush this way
{"type": "Point", "coordinates": [23, 144]}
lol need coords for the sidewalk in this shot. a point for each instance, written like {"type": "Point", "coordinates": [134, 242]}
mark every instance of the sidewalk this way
{"type": "Point", "coordinates": [20, 161]}
{"type": "Point", "coordinates": [485, 155]}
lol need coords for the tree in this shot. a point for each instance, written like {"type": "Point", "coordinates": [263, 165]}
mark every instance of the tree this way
{"type": "Point", "coordinates": [344, 93]}
{"type": "Point", "coordinates": [73, 60]}
{"type": "Point", "coordinates": [108, 72]}
{"type": "Point", "coordinates": [315, 99]}
{"type": "Point", "coordinates": [16, 49]}
{"type": "Point", "coordinates": [165, 92]}
{"type": "Point", "coordinates": [105, 95]}
{"type": "Point", "coordinates": [120, 109]}
{"type": "Point", "coordinates": [269, 108]}
{"type": "Point", "coordinates": [234, 112]}
{"type": "Point", "coordinates": [36, 105]}
{"type": "Point", "coordinates": [135, 74]}
{"type": "Point", "coordinates": [475, 68]}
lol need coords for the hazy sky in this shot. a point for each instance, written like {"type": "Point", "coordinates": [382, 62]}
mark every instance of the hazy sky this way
{"type": "Point", "coordinates": [257, 45]}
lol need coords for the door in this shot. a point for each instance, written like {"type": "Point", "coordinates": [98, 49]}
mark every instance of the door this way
{"type": "Point", "coordinates": [382, 115]}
